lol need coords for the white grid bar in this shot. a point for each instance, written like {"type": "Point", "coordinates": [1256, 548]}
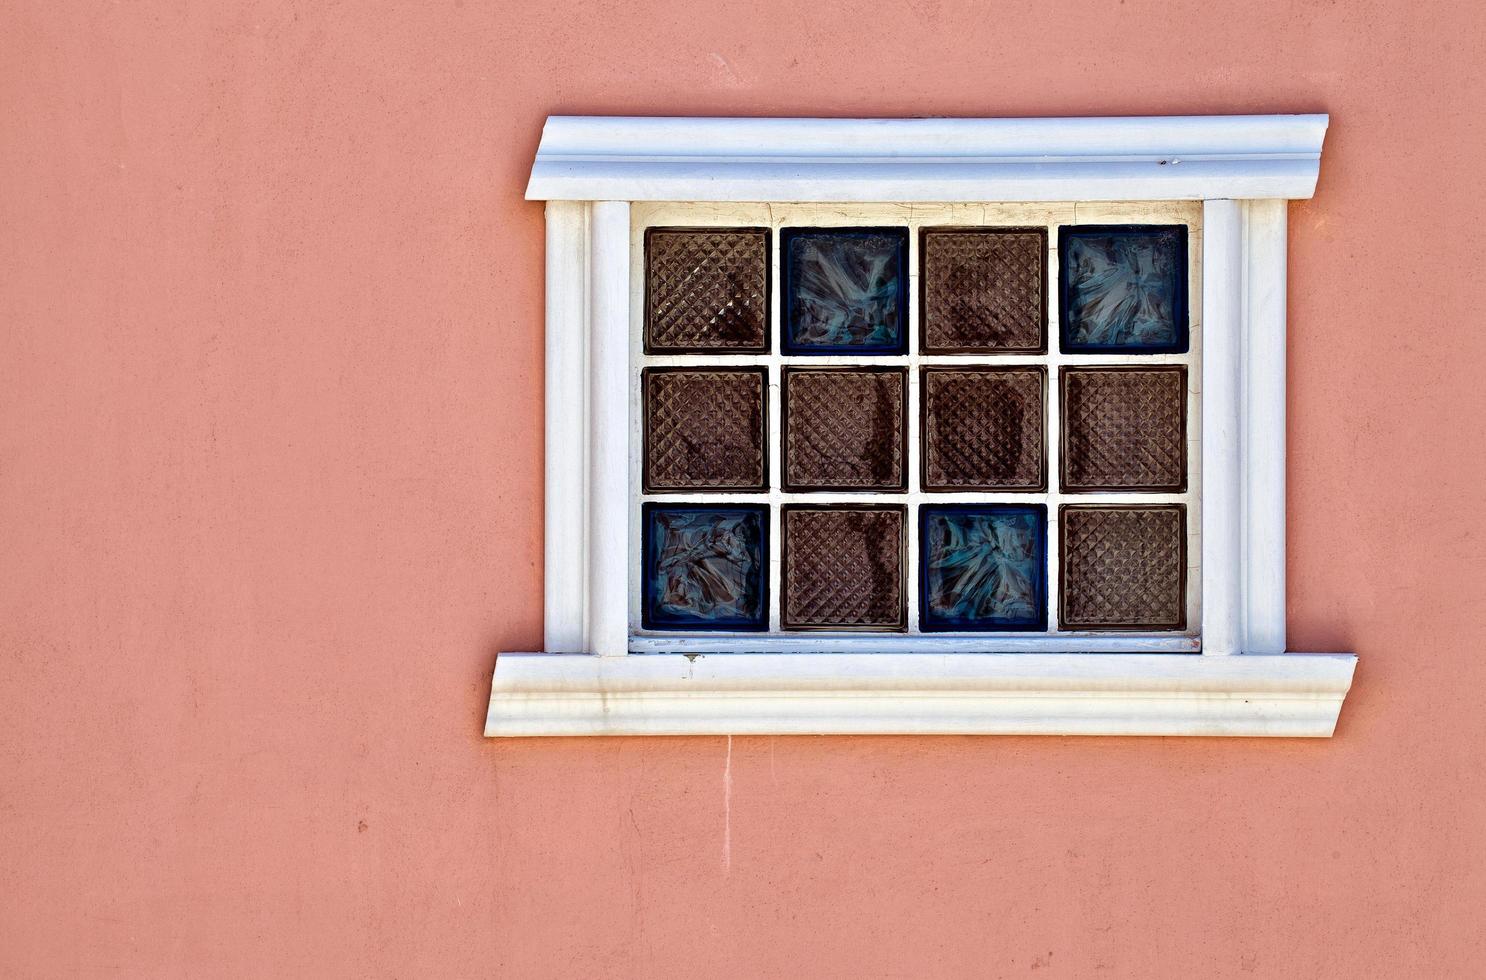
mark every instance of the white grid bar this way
{"type": "Point", "coordinates": [944, 360]}
{"type": "Point", "coordinates": [914, 329]}
{"type": "Point", "coordinates": [841, 641]}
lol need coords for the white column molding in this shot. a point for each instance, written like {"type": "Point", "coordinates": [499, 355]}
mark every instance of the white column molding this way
{"type": "Point", "coordinates": [608, 487]}
{"type": "Point", "coordinates": [1222, 501]}
{"type": "Point", "coordinates": [564, 615]}
{"type": "Point", "coordinates": [1263, 455]}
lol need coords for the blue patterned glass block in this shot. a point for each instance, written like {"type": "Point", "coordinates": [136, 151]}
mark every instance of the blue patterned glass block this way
{"type": "Point", "coordinates": [845, 290]}
{"type": "Point", "coordinates": [704, 567]}
{"type": "Point", "coordinates": [984, 567]}
{"type": "Point", "coordinates": [1123, 288]}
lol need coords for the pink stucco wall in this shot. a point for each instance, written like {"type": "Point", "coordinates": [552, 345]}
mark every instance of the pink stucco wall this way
{"type": "Point", "coordinates": [270, 502]}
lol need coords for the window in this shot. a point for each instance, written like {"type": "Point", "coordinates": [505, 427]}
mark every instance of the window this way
{"type": "Point", "coordinates": [938, 420]}
{"type": "Point", "coordinates": [988, 439]}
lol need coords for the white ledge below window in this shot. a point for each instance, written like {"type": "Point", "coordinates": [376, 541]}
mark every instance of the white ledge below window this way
{"type": "Point", "coordinates": [946, 694]}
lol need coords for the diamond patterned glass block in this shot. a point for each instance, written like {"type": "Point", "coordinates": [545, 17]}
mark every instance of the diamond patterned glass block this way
{"type": "Point", "coordinates": [1123, 567]}
{"type": "Point", "coordinates": [706, 289]}
{"type": "Point", "coordinates": [843, 568]}
{"type": "Point", "coordinates": [983, 429]}
{"type": "Point", "coordinates": [984, 290]}
{"type": "Point", "coordinates": [705, 567]}
{"type": "Point", "coordinates": [983, 567]}
{"type": "Point", "coordinates": [1123, 288]}
{"type": "Point", "coordinates": [845, 290]}
{"type": "Point", "coordinates": [704, 430]}
{"type": "Point", "coordinates": [1125, 429]}
{"type": "Point", "coordinates": [843, 429]}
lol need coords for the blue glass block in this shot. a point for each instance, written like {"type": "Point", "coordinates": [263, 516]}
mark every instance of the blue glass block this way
{"type": "Point", "coordinates": [1123, 288]}
{"type": "Point", "coordinates": [845, 290]}
{"type": "Point", "coordinates": [983, 567]}
{"type": "Point", "coordinates": [704, 567]}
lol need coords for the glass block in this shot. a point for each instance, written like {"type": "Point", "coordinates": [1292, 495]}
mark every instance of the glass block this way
{"type": "Point", "coordinates": [1123, 567]}
{"type": "Point", "coordinates": [843, 428]}
{"type": "Point", "coordinates": [706, 289]}
{"type": "Point", "coordinates": [843, 568]}
{"type": "Point", "coordinates": [984, 290]}
{"type": "Point", "coordinates": [845, 290]}
{"type": "Point", "coordinates": [704, 430]}
{"type": "Point", "coordinates": [983, 429]}
{"type": "Point", "coordinates": [705, 567]}
{"type": "Point", "coordinates": [1124, 429]}
{"type": "Point", "coordinates": [983, 567]}
{"type": "Point", "coordinates": [1123, 288]}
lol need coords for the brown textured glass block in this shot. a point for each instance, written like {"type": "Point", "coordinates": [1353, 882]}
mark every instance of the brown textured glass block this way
{"type": "Point", "coordinates": [843, 428]}
{"type": "Point", "coordinates": [704, 430]}
{"type": "Point", "coordinates": [843, 568]}
{"type": "Point", "coordinates": [1125, 429]}
{"type": "Point", "coordinates": [706, 289]}
{"type": "Point", "coordinates": [983, 429]}
{"type": "Point", "coordinates": [1123, 567]}
{"type": "Point", "coordinates": [984, 290]}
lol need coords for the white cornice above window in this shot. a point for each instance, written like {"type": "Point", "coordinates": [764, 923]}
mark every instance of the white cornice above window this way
{"type": "Point", "coordinates": [1145, 158]}
{"type": "Point", "coordinates": [595, 679]}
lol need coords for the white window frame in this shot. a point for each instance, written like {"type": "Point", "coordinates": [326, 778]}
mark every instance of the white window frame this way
{"type": "Point", "coordinates": [588, 681]}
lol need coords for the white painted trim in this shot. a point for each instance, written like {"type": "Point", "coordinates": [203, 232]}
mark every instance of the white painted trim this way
{"type": "Point", "coordinates": [858, 683]}
{"type": "Point", "coordinates": [987, 694]}
{"type": "Point", "coordinates": [877, 643]}
{"type": "Point", "coordinates": [1263, 458]}
{"type": "Point", "coordinates": [608, 489]}
{"type": "Point", "coordinates": [1223, 325]}
{"type": "Point", "coordinates": [1150, 158]}
{"type": "Point", "coordinates": [565, 598]}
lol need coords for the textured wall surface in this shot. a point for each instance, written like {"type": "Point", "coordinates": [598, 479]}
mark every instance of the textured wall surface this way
{"type": "Point", "coordinates": [270, 502]}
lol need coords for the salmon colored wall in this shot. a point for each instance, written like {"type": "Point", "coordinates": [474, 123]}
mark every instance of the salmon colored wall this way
{"type": "Point", "coordinates": [270, 502]}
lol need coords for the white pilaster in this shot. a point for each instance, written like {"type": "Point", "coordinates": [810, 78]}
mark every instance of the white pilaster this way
{"type": "Point", "coordinates": [1222, 482]}
{"type": "Point", "coordinates": [608, 487]}
{"type": "Point", "coordinates": [565, 597]}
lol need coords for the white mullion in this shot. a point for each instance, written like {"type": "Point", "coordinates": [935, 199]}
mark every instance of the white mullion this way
{"type": "Point", "coordinates": [775, 447]}
{"type": "Point", "coordinates": [835, 497]}
{"type": "Point", "coordinates": [1106, 360]}
{"type": "Point", "coordinates": [825, 641]}
{"type": "Point", "coordinates": [912, 414]}
{"type": "Point", "coordinates": [1053, 420]}
{"type": "Point", "coordinates": [611, 441]}
{"type": "Point", "coordinates": [721, 359]}
{"type": "Point", "coordinates": [1016, 360]}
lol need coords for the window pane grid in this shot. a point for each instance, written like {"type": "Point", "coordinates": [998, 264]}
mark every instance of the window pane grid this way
{"type": "Point", "coordinates": [915, 497]}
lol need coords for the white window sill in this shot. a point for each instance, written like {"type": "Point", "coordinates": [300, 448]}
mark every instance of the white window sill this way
{"type": "Point", "coordinates": [1285, 695]}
